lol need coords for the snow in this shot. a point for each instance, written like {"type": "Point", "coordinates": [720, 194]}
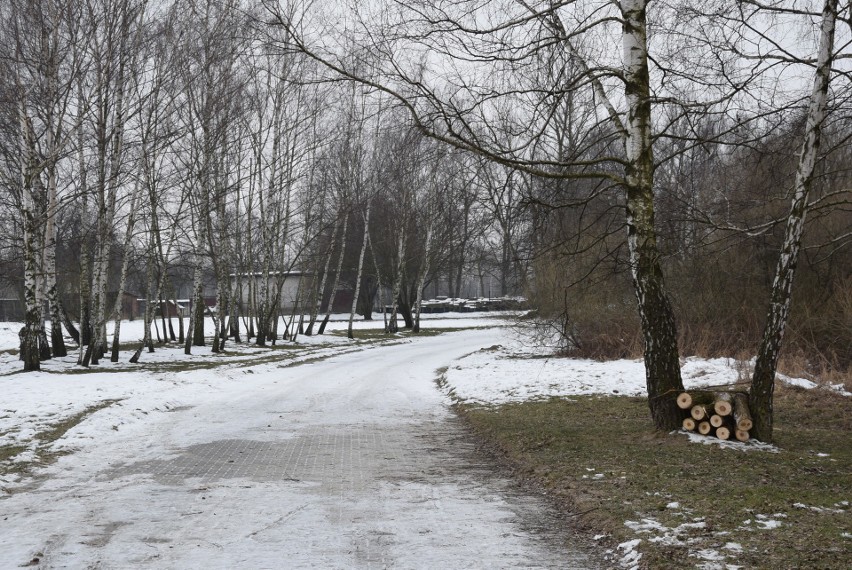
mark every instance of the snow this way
{"type": "Point", "coordinates": [751, 445]}
{"type": "Point", "coordinates": [674, 536]}
{"type": "Point", "coordinates": [514, 372]}
{"type": "Point", "coordinates": [769, 524]}
{"type": "Point", "coordinates": [822, 509]}
{"type": "Point", "coordinates": [156, 412]}
{"type": "Point", "coordinates": [630, 558]}
{"type": "Point", "coordinates": [400, 492]}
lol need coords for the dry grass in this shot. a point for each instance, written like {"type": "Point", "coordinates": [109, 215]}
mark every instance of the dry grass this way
{"type": "Point", "coordinates": [44, 455]}
{"type": "Point", "coordinates": [598, 456]}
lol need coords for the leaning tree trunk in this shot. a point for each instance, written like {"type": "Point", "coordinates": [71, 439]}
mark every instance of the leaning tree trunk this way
{"type": "Point", "coordinates": [360, 271]}
{"type": "Point", "coordinates": [421, 281]}
{"type": "Point", "coordinates": [662, 365]}
{"type": "Point", "coordinates": [393, 327]}
{"type": "Point", "coordinates": [763, 380]}
{"type": "Point", "coordinates": [334, 286]}
{"type": "Point", "coordinates": [317, 304]}
{"type": "Point", "coordinates": [69, 324]}
{"type": "Point", "coordinates": [149, 298]}
{"type": "Point", "coordinates": [118, 306]}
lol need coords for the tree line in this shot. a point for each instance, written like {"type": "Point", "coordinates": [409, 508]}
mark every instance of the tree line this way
{"type": "Point", "coordinates": [599, 157]}
{"type": "Point", "coordinates": [150, 143]}
{"type": "Point", "coordinates": [611, 107]}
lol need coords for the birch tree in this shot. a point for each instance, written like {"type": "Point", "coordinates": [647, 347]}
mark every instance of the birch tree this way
{"type": "Point", "coordinates": [40, 73]}
{"type": "Point", "coordinates": [469, 32]}
{"type": "Point", "coordinates": [763, 379]}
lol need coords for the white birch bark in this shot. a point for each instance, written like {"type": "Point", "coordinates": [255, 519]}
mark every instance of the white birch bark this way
{"type": "Point", "coordinates": [360, 269]}
{"type": "Point", "coordinates": [337, 271]}
{"type": "Point", "coordinates": [29, 334]}
{"type": "Point", "coordinates": [122, 280]}
{"type": "Point", "coordinates": [109, 172]}
{"type": "Point", "coordinates": [662, 364]}
{"type": "Point", "coordinates": [424, 271]}
{"type": "Point", "coordinates": [53, 132]}
{"type": "Point", "coordinates": [763, 380]}
{"type": "Point", "coordinates": [393, 326]}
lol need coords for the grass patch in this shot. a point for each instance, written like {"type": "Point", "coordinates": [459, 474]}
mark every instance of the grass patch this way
{"type": "Point", "coordinates": [43, 454]}
{"type": "Point", "coordinates": [57, 430]}
{"type": "Point", "coordinates": [598, 457]}
{"type": "Point", "coordinates": [380, 334]}
{"type": "Point", "coordinates": [10, 451]}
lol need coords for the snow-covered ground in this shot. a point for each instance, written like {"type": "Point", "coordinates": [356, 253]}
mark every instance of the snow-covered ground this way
{"type": "Point", "coordinates": [348, 462]}
{"type": "Point", "coordinates": [515, 370]}
{"type": "Point", "coordinates": [170, 402]}
{"type": "Point", "coordinates": [31, 403]}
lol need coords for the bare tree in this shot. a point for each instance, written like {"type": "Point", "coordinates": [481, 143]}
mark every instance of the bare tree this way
{"type": "Point", "coordinates": [763, 380]}
{"type": "Point", "coordinates": [454, 32]}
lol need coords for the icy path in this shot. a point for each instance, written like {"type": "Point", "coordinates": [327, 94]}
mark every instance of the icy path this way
{"type": "Point", "coordinates": [352, 462]}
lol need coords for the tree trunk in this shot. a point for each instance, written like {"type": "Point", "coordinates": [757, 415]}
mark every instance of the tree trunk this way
{"type": "Point", "coordinates": [393, 327]}
{"type": "Point", "coordinates": [319, 292]}
{"type": "Point", "coordinates": [122, 280]}
{"type": "Point", "coordinates": [424, 270]}
{"type": "Point", "coordinates": [763, 380]}
{"type": "Point", "coordinates": [56, 339]}
{"type": "Point", "coordinates": [85, 261]}
{"type": "Point", "coordinates": [198, 308]}
{"type": "Point", "coordinates": [662, 365]}
{"type": "Point", "coordinates": [181, 330]}
{"type": "Point", "coordinates": [69, 324]}
{"type": "Point", "coordinates": [43, 343]}
{"type": "Point", "coordinates": [29, 334]}
{"type": "Point", "coordinates": [234, 318]}
{"type": "Point", "coordinates": [360, 270]}
{"type": "Point", "coordinates": [150, 295]}
{"type": "Point", "coordinates": [330, 307]}
{"type": "Point", "coordinates": [379, 287]}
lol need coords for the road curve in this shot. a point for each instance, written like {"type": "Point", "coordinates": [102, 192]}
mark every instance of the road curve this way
{"type": "Point", "coordinates": [350, 462]}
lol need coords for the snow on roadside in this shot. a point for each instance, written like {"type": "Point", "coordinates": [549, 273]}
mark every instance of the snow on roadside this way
{"type": "Point", "coordinates": [512, 372]}
{"type": "Point", "coordinates": [499, 376]}
{"type": "Point", "coordinates": [517, 372]}
{"type": "Point", "coordinates": [33, 403]}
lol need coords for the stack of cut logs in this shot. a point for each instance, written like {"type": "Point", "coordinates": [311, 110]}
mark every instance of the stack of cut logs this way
{"type": "Point", "coordinates": [722, 414]}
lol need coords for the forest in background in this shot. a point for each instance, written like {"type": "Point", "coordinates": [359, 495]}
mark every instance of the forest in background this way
{"type": "Point", "coordinates": [388, 148]}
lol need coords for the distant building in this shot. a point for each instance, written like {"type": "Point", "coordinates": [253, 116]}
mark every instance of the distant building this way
{"type": "Point", "coordinates": [167, 308]}
{"type": "Point", "coordinates": [289, 283]}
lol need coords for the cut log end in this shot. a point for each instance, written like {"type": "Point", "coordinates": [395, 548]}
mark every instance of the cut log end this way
{"type": "Point", "coordinates": [716, 420]}
{"type": "Point", "coordinates": [723, 433]}
{"type": "Point", "coordinates": [742, 435]}
{"type": "Point", "coordinates": [741, 413]}
{"type": "Point", "coordinates": [684, 401]}
{"type": "Point", "coordinates": [704, 428]}
{"type": "Point", "coordinates": [723, 405]}
{"type": "Point", "coordinates": [698, 413]}
{"type": "Point", "coordinates": [689, 424]}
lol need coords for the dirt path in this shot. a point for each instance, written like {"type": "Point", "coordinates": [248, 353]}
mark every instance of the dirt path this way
{"type": "Point", "coordinates": [353, 462]}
